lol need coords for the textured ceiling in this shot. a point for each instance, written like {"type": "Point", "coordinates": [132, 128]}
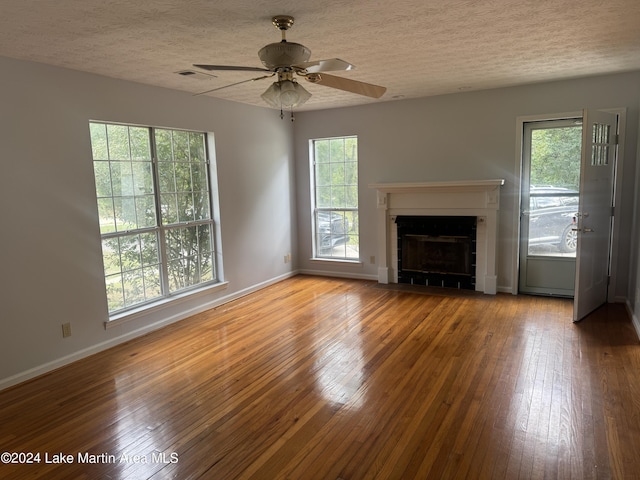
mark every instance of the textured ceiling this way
{"type": "Point", "coordinates": [415, 48]}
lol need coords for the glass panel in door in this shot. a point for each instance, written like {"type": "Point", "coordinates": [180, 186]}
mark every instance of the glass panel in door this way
{"type": "Point", "coordinates": [550, 195]}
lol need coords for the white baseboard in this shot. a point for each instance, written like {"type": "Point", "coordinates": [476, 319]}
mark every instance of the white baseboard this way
{"type": "Point", "coordinates": [634, 318]}
{"type": "Point", "coordinates": [505, 289]}
{"type": "Point", "coordinates": [324, 273]}
{"type": "Point", "coordinates": [85, 352]}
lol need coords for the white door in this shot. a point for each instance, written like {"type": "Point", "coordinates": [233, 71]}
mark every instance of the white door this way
{"type": "Point", "coordinates": [594, 222]}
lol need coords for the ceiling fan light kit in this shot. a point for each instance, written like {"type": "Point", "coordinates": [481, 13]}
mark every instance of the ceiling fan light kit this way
{"type": "Point", "coordinates": [285, 94]}
{"type": "Point", "coordinates": [288, 58]}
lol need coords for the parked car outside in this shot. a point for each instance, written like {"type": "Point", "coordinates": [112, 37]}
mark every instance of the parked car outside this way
{"type": "Point", "coordinates": [333, 230]}
{"type": "Point", "coordinates": [552, 217]}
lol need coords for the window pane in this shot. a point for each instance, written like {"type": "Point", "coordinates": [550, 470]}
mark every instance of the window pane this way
{"type": "Point", "coordinates": [337, 174]}
{"type": "Point", "coordinates": [351, 173]}
{"type": "Point", "coordinates": [197, 149]}
{"type": "Point", "coordinates": [323, 174]}
{"type": "Point", "coordinates": [352, 248]}
{"type": "Point", "coordinates": [163, 145]}
{"type": "Point", "coordinates": [181, 146]}
{"type": "Point", "coordinates": [118, 138]}
{"type": "Point", "coordinates": [199, 175]}
{"type": "Point", "coordinates": [192, 271]}
{"type": "Point", "coordinates": [125, 213]}
{"type": "Point", "coordinates": [189, 256]}
{"type": "Point", "coordinates": [185, 207]}
{"type": "Point", "coordinates": [125, 276]}
{"type": "Point", "coordinates": [337, 150]}
{"type": "Point", "coordinates": [201, 205]}
{"type": "Point", "coordinates": [99, 141]}
{"type": "Point", "coordinates": [167, 177]}
{"type": "Point", "coordinates": [351, 149]}
{"type": "Point", "coordinates": [152, 284]}
{"type": "Point", "coordinates": [149, 249]}
{"type": "Point", "coordinates": [205, 253]}
{"type": "Point", "coordinates": [102, 173]}
{"type": "Point", "coordinates": [121, 178]}
{"type": "Point", "coordinates": [351, 196]}
{"type": "Point", "coordinates": [106, 215]}
{"type": "Point", "coordinates": [115, 293]}
{"type": "Point", "coordinates": [338, 196]}
{"type": "Point", "coordinates": [183, 176]}
{"type": "Point", "coordinates": [169, 209]}
{"type": "Point", "coordinates": [146, 211]}
{"type": "Point", "coordinates": [323, 197]}
{"type": "Point", "coordinates": [133, 287]}
{"type": "Point", "coordinates": [142, 178]}
{"type": "Point", "coordinates": [176, 275]}
{"type": "Point", "coordinates": [174, 243]}
{"type": "Point", "coordinates": [322, 151]}
{"type": "Point", "coordinates": [140, 146]}
{"type": "Point", "coordinates": [130, 252]}
{"type": "Point", "coordinates": [111, 256]}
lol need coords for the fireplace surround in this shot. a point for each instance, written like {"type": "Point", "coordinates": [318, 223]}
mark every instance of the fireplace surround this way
{"type": "Point", "coordinates": [474, 198]}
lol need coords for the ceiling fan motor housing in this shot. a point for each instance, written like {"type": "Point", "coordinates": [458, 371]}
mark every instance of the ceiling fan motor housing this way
{"type": "Point", "coordinates": [283, 54]}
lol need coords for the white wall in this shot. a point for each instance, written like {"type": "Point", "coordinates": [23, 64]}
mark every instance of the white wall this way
{"type": "Point", "coordinates": [634, 257]}
{"type": "Point", "coordinates": [50, 254]}
{"type": "Point", "coordinates": [462, 136]}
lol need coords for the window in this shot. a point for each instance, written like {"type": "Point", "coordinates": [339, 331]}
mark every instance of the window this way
{"type": "Point", "coordinates": [335, 198]}
{"type": "Point", "coordinates": [153, 193]}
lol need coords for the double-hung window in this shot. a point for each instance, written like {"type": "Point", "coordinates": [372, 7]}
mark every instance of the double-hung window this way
{"type": "Point", "coordinates": [154, 204]}
{"type": "Point", "coordinates": [335, 198]}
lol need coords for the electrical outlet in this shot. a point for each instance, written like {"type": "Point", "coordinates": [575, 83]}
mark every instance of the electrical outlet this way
{"type": "Point", "coordinates": [66, 330]}
{"type": "Point", "coordinates": [287, 258]}
{"type": "Point", "coordinates": [372, 259]}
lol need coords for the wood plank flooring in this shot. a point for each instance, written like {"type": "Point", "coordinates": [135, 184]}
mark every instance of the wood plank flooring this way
{"type": "Point", "coordinates": [319, 378]}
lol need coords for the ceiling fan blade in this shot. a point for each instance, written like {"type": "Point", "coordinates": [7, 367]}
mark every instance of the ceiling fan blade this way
{"type": "Point", "coordinates": [329, 65]}
{"type": "Point", "coordinates": [348, 85]}
{"type": "Point", "coordinates": [233, 84]}
{"type": "Point", "coordinates": [230, 67]}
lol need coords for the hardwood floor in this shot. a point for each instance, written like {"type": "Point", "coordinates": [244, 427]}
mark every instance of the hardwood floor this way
{"type": "Point", "coordinates": [318, 378]}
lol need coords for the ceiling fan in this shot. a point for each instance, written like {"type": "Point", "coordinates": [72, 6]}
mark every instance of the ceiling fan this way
{"type": "Point", "coordinates": [288, 59]}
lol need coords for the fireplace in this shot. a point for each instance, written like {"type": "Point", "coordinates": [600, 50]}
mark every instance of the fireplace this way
{"type": "Point", "coordinates": [477, 199]}
{"type": "Point", "coordinates": [437, 251]}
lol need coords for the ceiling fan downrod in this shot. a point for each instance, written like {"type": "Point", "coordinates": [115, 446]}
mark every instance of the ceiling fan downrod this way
{"type": "Point", "coordinates": [283, 23]}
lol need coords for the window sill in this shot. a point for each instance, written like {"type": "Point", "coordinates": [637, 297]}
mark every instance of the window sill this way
{"type": "Point", "coordinates": [150, 308]}
{"type": "Point", "coordinates": [336, 260]}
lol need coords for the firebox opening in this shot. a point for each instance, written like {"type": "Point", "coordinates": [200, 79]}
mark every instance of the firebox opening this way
{"type": "Point", "coordinates": [437, 251]}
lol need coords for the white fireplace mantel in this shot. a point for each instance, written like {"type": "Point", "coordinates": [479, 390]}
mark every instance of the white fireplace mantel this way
{"type": "Point", "coordinates": [478, 198]}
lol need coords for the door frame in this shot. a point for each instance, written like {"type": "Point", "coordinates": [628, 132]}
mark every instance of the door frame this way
{"type": "Point", "coordinates": [617, 194]}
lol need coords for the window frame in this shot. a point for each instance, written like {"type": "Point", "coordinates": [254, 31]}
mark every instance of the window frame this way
{"type": "Point", "coordinates": [161, 228]}
{"type": "Point", "coordinates": [345, 211]}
